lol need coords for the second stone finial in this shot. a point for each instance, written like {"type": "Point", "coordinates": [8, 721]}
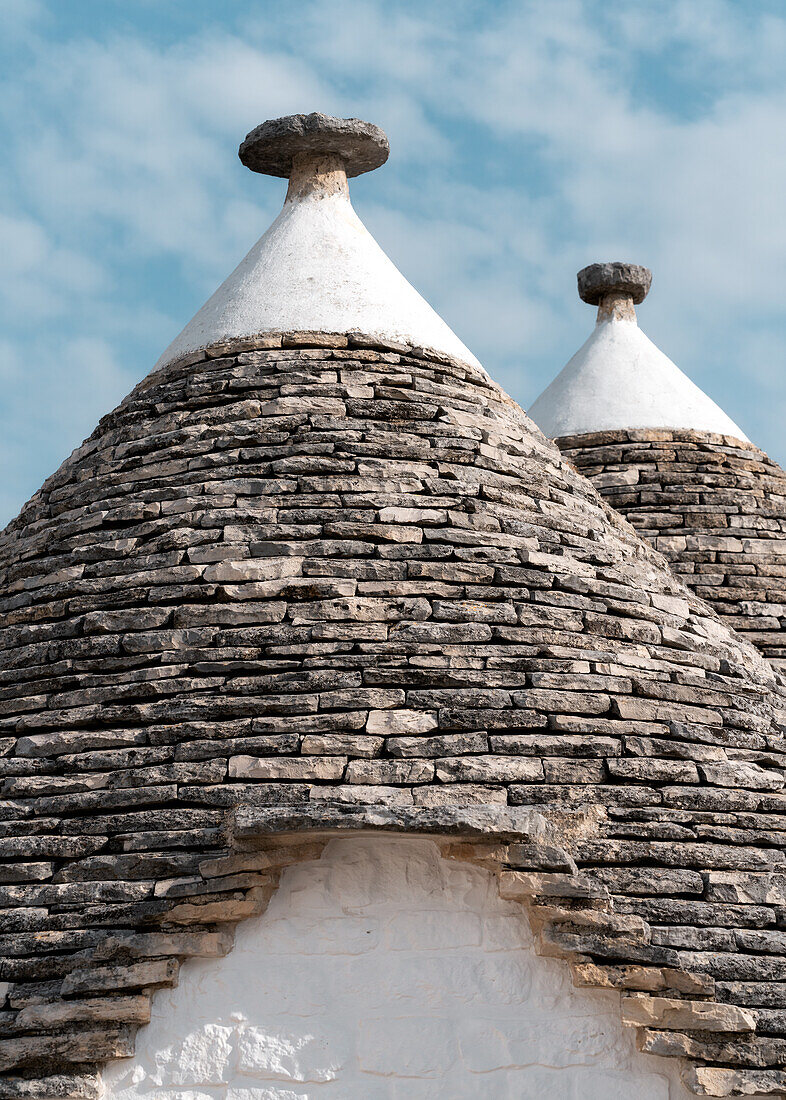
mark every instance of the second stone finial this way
{"type": "Point", "coordinates": [598, 280]}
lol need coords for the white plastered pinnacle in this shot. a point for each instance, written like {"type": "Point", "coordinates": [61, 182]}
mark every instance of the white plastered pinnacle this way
{"type": "Point", "coordinates": [620, 380]}
{"type": "Point", "coordinates": [317, 269]}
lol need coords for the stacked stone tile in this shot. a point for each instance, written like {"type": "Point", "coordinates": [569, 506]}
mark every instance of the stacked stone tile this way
{"type": "Point", "coordinates": [310, 582]}
{"type": "Point", "coordinates": [714, 505]}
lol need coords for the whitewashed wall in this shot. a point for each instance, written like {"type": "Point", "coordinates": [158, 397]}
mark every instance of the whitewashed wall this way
{"type": "Point", "coordinates": [384, 971]}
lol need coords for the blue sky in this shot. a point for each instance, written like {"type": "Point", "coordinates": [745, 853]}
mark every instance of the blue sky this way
{"type": "Point", "coordinates": [527, 140]}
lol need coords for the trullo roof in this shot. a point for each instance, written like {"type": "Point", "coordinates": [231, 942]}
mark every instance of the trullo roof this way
{"type": "Point", "coordinates": [703, 495]}
{"type": "Point", "coordinates": [299, 583]}
{"type": "Point", "coordinates": [317, 268]}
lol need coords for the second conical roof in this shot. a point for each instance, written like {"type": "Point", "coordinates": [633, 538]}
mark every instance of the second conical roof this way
{"type": "Point", "coordinates": [619, 379]}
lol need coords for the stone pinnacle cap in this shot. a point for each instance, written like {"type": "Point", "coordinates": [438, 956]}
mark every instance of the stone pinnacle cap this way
{"type": "Point", "coordinates": [598, 280]}
{"type": "Point", "coordinates": [271, 147]}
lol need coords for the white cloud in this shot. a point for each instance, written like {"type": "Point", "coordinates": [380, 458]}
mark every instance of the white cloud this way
{"type": "Point", "coordinates": [38, 278]}
{"type": "Point", "coordinates": [54, 392]}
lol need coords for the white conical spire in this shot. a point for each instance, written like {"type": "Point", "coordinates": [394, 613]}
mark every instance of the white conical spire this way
{"type": "Point", "coordinates": [317, 268]}
{"type": "Point", "coordinates": [619, 379]}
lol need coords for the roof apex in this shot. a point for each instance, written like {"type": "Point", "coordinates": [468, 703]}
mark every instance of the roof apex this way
{"type": "Point", "coordinates": [317, 268]}
{"type": "Point", "coordinates": [619, 379]}
{"type": "Point", "coordinates": [272, 147]}
{"type": "Point", "coordinates": [597, 280]}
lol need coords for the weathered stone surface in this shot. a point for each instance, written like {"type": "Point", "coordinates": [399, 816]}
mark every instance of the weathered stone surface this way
{"type": "Point", "coordinates": [715, 506]}
{"type": "Point", "coordinates": [390, 771]}
{"type": "Point", "coordinates": [391, 723]}
{"type": "Point", "coordinates": [77, 1048]}
{"type": "Point", "coordinates": [747, 887]}
{"type": "Point", "coordinates": [657, 771]}
{"type": "Point", "coordinates": [539, 856]}
{"type": "Point", "coordinates": [114, 978]}
{"type": "Point", "coordinates": [58, 742]}
{"type": "Point", "coordinates": [770, 994]}
{"type": "Point", "coordinates": [739, 774]}
{"type": "Point", "coordinates": [739, 1050]}
{"type": "Point", "coordinates": [57, 1087]}
{"type": "Point", "coordinates": [440, 745]}
{"type": "Point", "coordinates": [273, 767]}
{"type": "Point", "coordinates": [203, 945]}
{"type": "Point", "coordinates": [503, 823]}
{"type": "Point", "coordinates": [650, 979]}
{"type": "Point", "coordinates": [774, 942]}
{"type": "Point", "coordinates": [488, 769]}
{"type": "Point", "coordinates": [270, 859]}
{"type": "Point", "coordinates": [118, 1010]}
{"type": "Point", "coordinates": [598, 280]}
{"type": "Point", "coordinates": [271, 147]}
{"type": "Point", "coordinates": [518, 884]}
{"type": "Point", "coordinates": [665, 1012]}
{"type": "Point", "coordinates": [712, 1081]}
{"type": "Point", "coordinates": [338, 744]}
{"type": "Point", "coordinates": [318, 586]}
{"type": "Point", "coordinates": [227, 910]}
{"type": "Point", "coordinates": [649, 881]}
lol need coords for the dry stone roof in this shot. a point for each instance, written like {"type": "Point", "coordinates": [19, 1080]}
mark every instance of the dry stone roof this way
{"type": "Point", "coordinates": [313, 582]}
{"type": "Point", "coordinates": [714, 505]}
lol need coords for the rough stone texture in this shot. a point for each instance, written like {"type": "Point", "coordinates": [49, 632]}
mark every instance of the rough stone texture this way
{"type": "Point", "coordinates": [385, 971]}
{"type": "Point", "coordinates": [598, 280]}
{"type": "Point", "coordinates": [260, 552]}
{"type": "Point", "coordinates": [270, 147]}
{"type": "Point", "coordinates": [709, 1081]}
{"type": "Point", "coordinates": [685, 1015]}
{"type": "Point", "coordinates": [714, 506]}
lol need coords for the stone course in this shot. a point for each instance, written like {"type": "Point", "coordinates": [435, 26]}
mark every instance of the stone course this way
{"type": "Point", "coordinates": [714, 506]}
{"type": "Point", "coordinates": [289, 590]}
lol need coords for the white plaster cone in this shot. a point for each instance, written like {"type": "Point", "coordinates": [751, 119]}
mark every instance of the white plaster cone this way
{"type": "Point", "coordinates": [620, 380]}
{"type": "Point", "coordinates": [317, 269]}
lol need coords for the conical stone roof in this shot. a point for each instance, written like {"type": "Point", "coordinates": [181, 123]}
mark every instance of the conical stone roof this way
{"type": "Point", "coordinates": [324, 583]}
{"type": "Point", "coordinates": [689, 481]}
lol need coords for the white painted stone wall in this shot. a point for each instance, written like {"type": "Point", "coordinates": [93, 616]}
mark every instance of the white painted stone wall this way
{"type": "Point", "coordinates": [383, 970]}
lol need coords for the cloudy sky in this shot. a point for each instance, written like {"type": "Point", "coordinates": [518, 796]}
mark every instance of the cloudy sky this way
{"type": "Point", "coordinates": [528, 138]}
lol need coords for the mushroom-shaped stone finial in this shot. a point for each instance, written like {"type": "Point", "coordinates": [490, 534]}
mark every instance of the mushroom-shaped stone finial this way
{"type": "Point", "coordinates": [598, 280]}
{"type": "Point", "coordinates": [272, 147]}
{"type": "Point", "coordinates": [614, 288]}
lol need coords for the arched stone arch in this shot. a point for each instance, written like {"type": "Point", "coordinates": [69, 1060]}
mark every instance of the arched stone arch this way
{"type": "Point", "coordinates": [525, 864]}
{"type": "Point", "coordinates": [389, 966]}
